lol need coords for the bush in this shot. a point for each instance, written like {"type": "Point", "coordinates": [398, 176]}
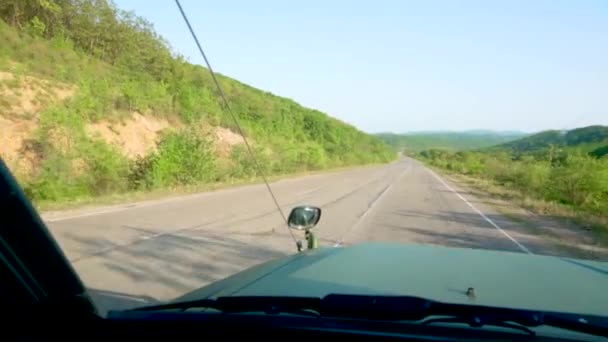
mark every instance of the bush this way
{"type": "Point", "coordinates": [582, 181]}
{"type": "Point", "coordinates": [94, 170]}
{"type": "Point", "coordinates": [107, 169]}
{"type": "Point", "coordinates": [572, 178]}
{"type": "Point", "coordinates": [116, 64]}
{"type": "Point", "coordinates": [56, 181]}
{"type": "Point", "coordinates": [183, 158]}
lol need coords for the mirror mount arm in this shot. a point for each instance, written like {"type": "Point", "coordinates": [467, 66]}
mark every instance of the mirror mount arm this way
{"type": "Point", "coordinates": [311, 239]}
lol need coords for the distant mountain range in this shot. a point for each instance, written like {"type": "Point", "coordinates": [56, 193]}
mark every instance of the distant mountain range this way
{"type": "Point", "coordinates": [592, 139]}
{"type": "Point", "coordinates": [454, 141]}
{"type": "Point", "coordinates": [470, 131]}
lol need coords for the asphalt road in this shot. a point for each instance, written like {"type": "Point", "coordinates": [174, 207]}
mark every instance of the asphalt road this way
{"type": "Point", "coordinates": [165, 248]}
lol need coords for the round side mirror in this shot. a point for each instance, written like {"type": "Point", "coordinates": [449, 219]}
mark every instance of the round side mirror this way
{"type": "Point", "coordinates": [304, 217]}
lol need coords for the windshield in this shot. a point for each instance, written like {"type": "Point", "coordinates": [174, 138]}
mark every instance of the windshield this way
{"type": "Point", "coordinates": [457, 150]}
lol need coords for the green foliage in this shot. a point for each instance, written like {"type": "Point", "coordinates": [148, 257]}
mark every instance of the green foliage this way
{"type": "Point", "coordinates": [581, 180]}
{"type": "Point", "coordinates": [73, 164]}
{"type": "Point", "coordinates": [564, 167]}
{"type": "Point", "coordinates": [36, 27]}
{"type": "Point", "coordinates": [61, 176]}
{"type": "Point", "coordinates": [118, 65]}
{"type": "Point", "coordinates": [182, 158]}
{"type": "Point", "coordinates": [600, 152]}
{"type": "Point", "coordinates": [243, 165]}
{"type": "Point", "coordinates": [55, 181]}
{"type": "Point", "coordinates": [457, 141]}
{"type": "Point", "coordinates": [106, 168]}
{"type": "Point", "coordinates": [584, 138]}
{"type": "Point", "coordinates": [572, 178]}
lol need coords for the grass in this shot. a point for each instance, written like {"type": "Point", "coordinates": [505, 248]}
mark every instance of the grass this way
{"type": "Point", "coordinates": [597, 224]}
{"type": "Point", "coordinates": [12, 83]}
{"type": "Point", "coordinates": [76, 167]}
{"type": "Point", "coordinates": [28, 115]}
{"type": "Point", "coordinates": [162, 193]}
{"type": "Point", "coordinates": [5, 103]}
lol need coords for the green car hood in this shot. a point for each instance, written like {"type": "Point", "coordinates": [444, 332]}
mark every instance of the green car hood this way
{"type": "Point", "coordinates": [501, 279]}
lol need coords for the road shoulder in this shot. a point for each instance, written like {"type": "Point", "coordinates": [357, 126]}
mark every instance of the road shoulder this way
{"type": "Point", "coordinates": [561, 235]}
{"type": "Point", "coordinates": [51, 212]}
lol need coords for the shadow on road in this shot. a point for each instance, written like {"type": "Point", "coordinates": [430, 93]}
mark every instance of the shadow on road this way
{"type": "Point", "coordinates": [547, 238]}
{"type": "Point", "coordinates": [172, 264]}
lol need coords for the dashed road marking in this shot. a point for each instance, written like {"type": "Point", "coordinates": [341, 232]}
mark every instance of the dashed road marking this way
{"type": "Point", "coordinates": [370, 207]}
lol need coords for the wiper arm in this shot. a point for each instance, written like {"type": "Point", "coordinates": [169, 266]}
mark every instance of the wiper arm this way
{"type": "Point", "coordinates": [523, 320]}
{"type": "Point", "coordinates": [308, 306]}
{"type": "Point", "coordinates": [346, 306]}
{"type": "Point", "coordinates": [477, 322]}
{"type": "Point", "coordinates": [396, 308]}
{"type": "Point", "coordinates": [418, 309]}
{"type": "Point", "coordinates": [594, 325]}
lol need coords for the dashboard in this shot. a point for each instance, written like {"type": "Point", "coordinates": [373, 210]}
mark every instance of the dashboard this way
{"type": "Point", "coordinates": [177, 325]}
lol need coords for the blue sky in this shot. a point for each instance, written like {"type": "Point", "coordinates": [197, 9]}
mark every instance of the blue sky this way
{"type": "Point", "coordinates": [409, 65]}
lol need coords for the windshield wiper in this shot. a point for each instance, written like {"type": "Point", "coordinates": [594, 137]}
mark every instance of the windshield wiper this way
{"type": "Point", "coordinates": [307, 306]}
{"type": "Point", "coordinates": [397, 308]}
{"type": "Point", "coordinates": [428, 312]}
{"type": "Point", "coordinates": [478, 322]}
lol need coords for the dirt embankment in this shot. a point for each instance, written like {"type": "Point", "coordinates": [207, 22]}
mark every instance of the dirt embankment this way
{"type": "Point", "coordinates": [23, 100]}
{"type": "Point", "coordinates": [136, 136]}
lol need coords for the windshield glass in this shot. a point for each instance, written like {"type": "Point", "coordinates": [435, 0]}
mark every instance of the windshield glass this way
{"type": "Point", "coordinates": [412, 126]}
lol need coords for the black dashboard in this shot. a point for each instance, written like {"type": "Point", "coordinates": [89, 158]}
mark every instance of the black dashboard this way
{"type": "Point", "coordinates": [178, 326]}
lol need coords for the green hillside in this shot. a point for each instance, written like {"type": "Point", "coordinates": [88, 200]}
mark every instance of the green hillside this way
{"type": "Point", "coordinates": [113, 70]}
{"type": "Point", "coordinates": [453, 141]}
{"type": "Point", "coordinates": [600, 151]}
{"type": "Point", "coordinates": [586, 139]}
{"type": "Point", "coordinates": [569, 168]}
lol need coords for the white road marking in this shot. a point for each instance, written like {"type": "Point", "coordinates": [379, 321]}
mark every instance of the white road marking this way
{"type": "Point", "coordinates": [522, 247]}
{"type": "Point", "coordinates": [48, 217]}
{"type": "Point", "coordinates": [310, 191]}
{"type": "Point", "coordinates": [126, 206]}
{"type": "Point", "coordinates": [370, 207]}
{"type": "Point", "coordinates": [92, 213]}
